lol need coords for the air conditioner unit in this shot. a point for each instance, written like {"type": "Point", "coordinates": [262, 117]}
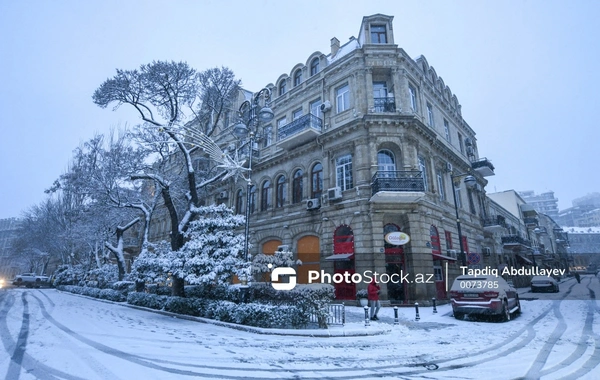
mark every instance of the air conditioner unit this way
{"type": "Point", "coordinates": [449, 167]}
{"type": "Point", "coordinates": [313, 204]}
{"type": "Point", "coordinates": [326, 106]}
{"type": "Point", "coordinates": [282, 248]}
{"type": "Point", "coordinates": [223, 195]}
{"type": "Point", "coordinates": [452, 253]}
{"type": "Point", "coordinates": [334, 193]}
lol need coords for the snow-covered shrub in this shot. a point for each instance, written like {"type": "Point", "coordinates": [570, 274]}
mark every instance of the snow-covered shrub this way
{"type": "Point", "coordinates": [152, 301]}
{"type": "Point", "coordinates": [158, 289]}
{"type": "Point", "coordinates": [102, 277]}
{"type": "Point", "coordinates": [268, 316]}
{"type": "Point", "coordinates": [362, 293]}
{"type": "Point", "coordinates": [188, 306]}
{"type": "Point", "coordinates": [260, 263]}
{"type": "Point", "coordinates": [112, 295]}
{"type": "Point", "coordinates": [214, 249]}
{"type": "Point", "coordinates": [69, 275]}
{"type": "Point", "coordinates": [123, 286]}
{"type": "Point", "coordinates": [150, 263]}
{"type": "Point", "coordinates": [221, 311]}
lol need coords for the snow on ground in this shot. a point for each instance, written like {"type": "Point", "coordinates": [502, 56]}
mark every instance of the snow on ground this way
{"type": "Point", "coordinates": [75, 337]}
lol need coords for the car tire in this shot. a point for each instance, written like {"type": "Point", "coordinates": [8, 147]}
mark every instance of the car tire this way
{"type": "Point", "coordinates": [459, 316]}
{"type": "Point", "coordinates": [518, 311]}
{"type": "Point", "coordinates": [557, 289]}
{"type": "Point", "coordinates": [505, 316]}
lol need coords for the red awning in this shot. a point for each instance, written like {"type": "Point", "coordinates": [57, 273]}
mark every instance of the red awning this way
{"type": "Point", "coordinates": [340, 256]}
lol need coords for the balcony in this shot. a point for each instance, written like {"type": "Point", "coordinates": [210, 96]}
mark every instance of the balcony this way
{"type": "Point", "coordinates": [494, 225]}
{"type": "Point", "coordinates": [299, 131]}
{"type": "Point", "coordinates": [483, 166]}
{"type": "Point", "coordinates": [384, 105]}
{"type": "Point", "coordinates": [531, 222]}
{"type": "Point", "coordinates": [397, 186]}
{"type": "Point", "coordinates": [515, 242]}
{"type": "Point", "coordinates": [528, 210]}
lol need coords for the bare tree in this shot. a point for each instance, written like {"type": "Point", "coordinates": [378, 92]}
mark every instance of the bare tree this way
{"type": "Point", "coordinates": [170, 97]}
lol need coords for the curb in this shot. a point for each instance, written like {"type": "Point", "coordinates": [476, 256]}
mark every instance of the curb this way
{"type": "Point", "coordinates": [318, 333]}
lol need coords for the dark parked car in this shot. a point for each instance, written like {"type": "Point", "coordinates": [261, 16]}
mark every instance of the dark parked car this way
{"type": "Point", "coordinates": [484, 295]}
{"type": "Point", "coordinates": [544, 284]}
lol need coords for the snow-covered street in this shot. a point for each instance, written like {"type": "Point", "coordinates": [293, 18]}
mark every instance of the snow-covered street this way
{"type": "Point", "coordinates": [47, 334]}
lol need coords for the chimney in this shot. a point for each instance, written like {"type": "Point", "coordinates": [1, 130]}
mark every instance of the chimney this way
{"type": "Point", "coordinates": [335, 46]}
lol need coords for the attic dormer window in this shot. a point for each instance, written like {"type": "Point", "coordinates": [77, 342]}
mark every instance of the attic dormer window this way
{"type": "Point", "coordinates": [378, 34]}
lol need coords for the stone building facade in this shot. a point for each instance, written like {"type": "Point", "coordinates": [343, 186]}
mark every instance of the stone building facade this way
{"type": "Point", "coordinates": [366, 141]}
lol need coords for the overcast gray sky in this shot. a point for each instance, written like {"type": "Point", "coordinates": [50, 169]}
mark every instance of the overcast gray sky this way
{"type": "Point", "coordinates": [525, 72]}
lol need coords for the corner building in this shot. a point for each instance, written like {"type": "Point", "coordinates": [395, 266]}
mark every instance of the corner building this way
{"type": "Point", "coordinates": [364, 142]}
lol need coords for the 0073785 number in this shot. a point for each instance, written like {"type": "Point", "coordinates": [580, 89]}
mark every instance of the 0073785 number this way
{"type": "Point", "coordinates": [479, 285]}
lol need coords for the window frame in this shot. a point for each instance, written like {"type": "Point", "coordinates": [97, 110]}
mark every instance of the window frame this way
{"type": "Point", "coordinates": [314, 66]}
{"type": "Point", "coordinates": [430, 116]}
{"type": "Point", "coordinates": [280, 191]}
{"type": "Point", "coordinates": [342, 98]}
{"type": "Point", "coordinates": [316, 180]}
{"type": "Point", "coordinates": [265, 196]}
{"type": "Point", "coordinates": [297, 186]}
{"type": "Point", "coordinates": [377, 31]}
{"type": "Point", "coordinates": [423, 168]}
{"type": "Point", "coordinates": [343, 172]}
{"type": "Point", "coordinates": [298, 77]}
{"type": "Point", "coordinates": [282, 87]}
{"type": "Point", "coordinates": [412, 92]}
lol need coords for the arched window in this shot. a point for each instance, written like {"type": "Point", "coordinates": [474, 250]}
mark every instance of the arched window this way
{"type": "Point", "coordinates": [252, 203]}
{"type": "Point", "coordinates": [282, 88]}
{"type": "Point", "coordinates": [281, 191]}
{"type": "Point", "coordinates": [314, 66]}
{"type": "Point", "coordinates": [297, 77]}
{"type": "Point", "coordinates": [316, 182]}
{"type": "Point", "coordinates": [386, 163]}
{"type": "Point", "coordinates": [297, 187]}
{"type": "Point", "coordinates": [436, 247]}
{"type": "Point", "coordinates": [265, 196]}
{"type": "Point", "coordinates": [239, 201]}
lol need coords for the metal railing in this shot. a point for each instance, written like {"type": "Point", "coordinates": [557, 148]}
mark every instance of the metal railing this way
{"type": "Point", "coordinates": [411, 180]}
{"type": "Point", "coordinates": [515, 240]}
{"type": "Point", "coordinates": [384, 104]}
{"type": "Point", "coordinates": [299, 125]}
{"type": "Point", "coordinates": [336, 315]}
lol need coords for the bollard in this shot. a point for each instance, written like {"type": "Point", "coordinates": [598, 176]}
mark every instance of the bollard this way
{"type": "Point", "coordinates": [366, 316]}
{"type": "Point", "coordinates": [396, 322]}
{"type": "Point", "coordinates": [434, 309]}
{"type": "Point", "coordinates": [417, 310]}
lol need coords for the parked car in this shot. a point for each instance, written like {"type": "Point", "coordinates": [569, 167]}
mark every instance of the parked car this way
{"type": "Point", "coordinates": [30, 280]}
{"type": "Point", "coordinates": [484, 295]}
{"type": "Point", "coordinates": [544, 284]}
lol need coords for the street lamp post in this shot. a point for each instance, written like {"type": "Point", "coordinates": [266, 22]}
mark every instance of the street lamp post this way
{"type": "Point", "coordinates": [251, 114]}
{"type": "Point", "coordinates": [470, 181]}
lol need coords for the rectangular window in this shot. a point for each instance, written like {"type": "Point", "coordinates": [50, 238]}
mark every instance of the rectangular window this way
{"type": "Point", "coordinates": [460, 144]}
{"type": "Point", "coordinates": [413, 97]}
{"type": "Point", "coordinates": [296, 114]}
{"type": "Point", "coordinates": [315, 108]}
{"type": "Point", "coordinates": [440, 181]}
{"type": "Point", "coordinates": [447, 130]}
{"type": "Point", "coordinates": [448, 239]}
{"type": "Point", "coordinates": [378, 34]}
{"type": "Point", "coordinates": [423, 169]}
{"type": "Point", "coordinates": [430, 115]}
{"type": "Point", "coordinates": [343, 170]}
{"type": "Point", "coordinates": [458, 201]}
{"type": "Point", "coordinates": [268, 134]}
{"type": "Point", "coordinates": [342, 98]}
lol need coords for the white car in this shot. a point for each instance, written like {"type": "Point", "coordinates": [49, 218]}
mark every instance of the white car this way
{"type": "Point", "coordinates": [544, 284]}
{"type": "Point", "coordinates": [484, 295]}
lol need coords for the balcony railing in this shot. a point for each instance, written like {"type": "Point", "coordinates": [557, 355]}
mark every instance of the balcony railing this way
{"type": "Point", "coordinates": [397, 181]}
{"type": "Point", "coordinates": [515, 240]}
{"type": "Point", "coordinates": [384, 105]}
{"type": "Point", "coordinates": [483, 166]}
{"type": "Point", "coordinates": [494, 224]}
{"type": "Point", "coordinates": [309, 121]}
{"type": "Point", "coordinates": [531, 222]}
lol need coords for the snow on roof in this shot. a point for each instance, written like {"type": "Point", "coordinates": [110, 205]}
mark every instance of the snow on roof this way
{"type": "Point", "coordinates": [344, 50]}
{"type": "Point", "coordinates": [582, 230]}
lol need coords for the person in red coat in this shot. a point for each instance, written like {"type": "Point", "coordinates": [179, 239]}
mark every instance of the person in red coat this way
{"type": "Point", "coordinates": [373, 297]}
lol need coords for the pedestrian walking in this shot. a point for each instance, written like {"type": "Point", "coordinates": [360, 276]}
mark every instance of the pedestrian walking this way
{"type": "Point", "coordinates": [373, 296]}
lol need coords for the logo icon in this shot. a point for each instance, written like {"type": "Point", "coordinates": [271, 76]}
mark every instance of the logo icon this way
{"type": "Point", "coordinates": [283, 271]}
